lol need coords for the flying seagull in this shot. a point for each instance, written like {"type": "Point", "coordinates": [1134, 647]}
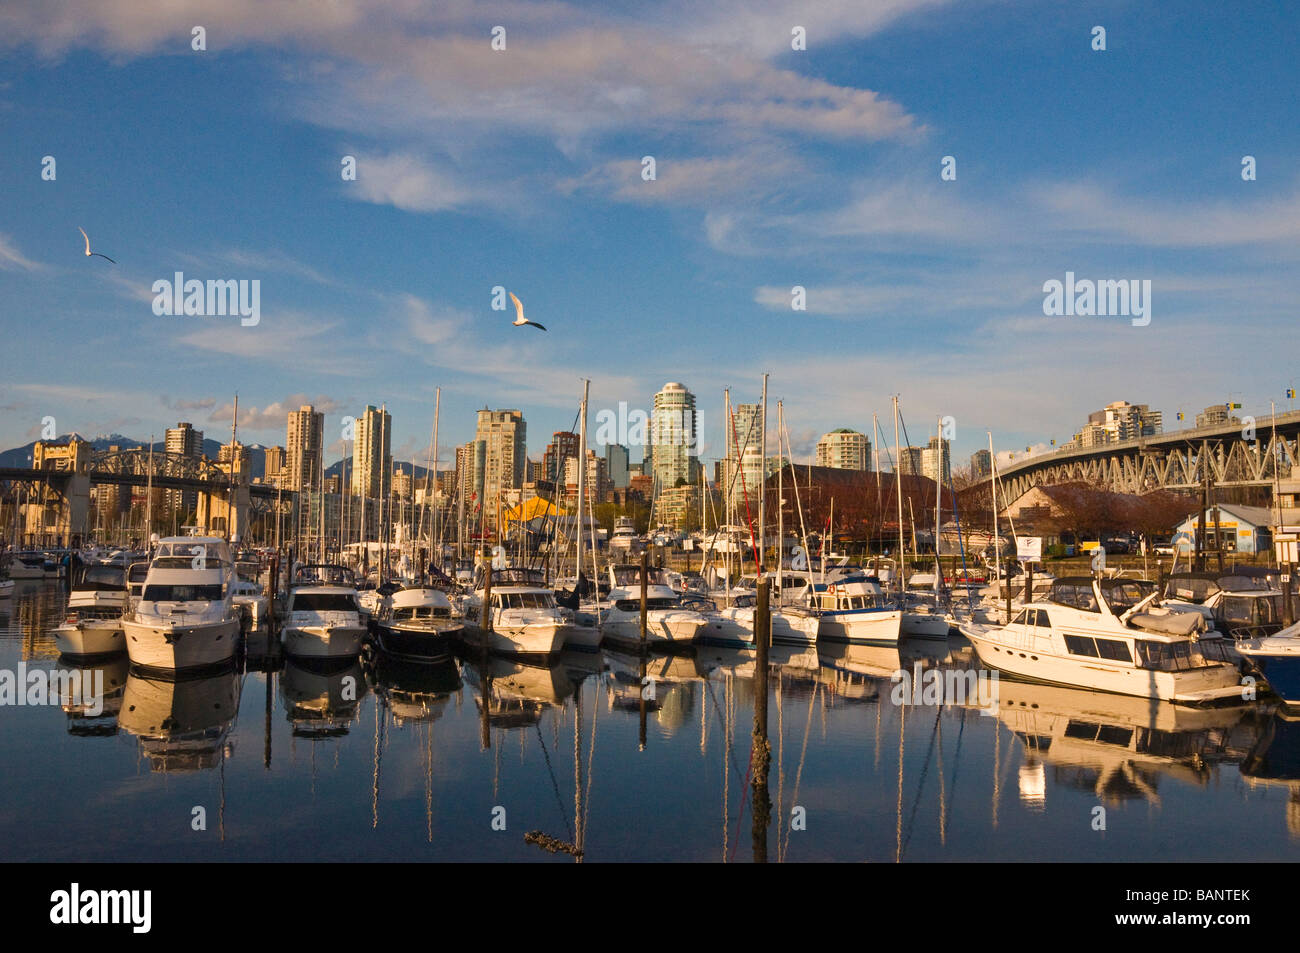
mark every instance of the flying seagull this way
{"type": "Point", "coordinates": [519, 321]}
{"type": "Point", "coordinates": [88, 251]}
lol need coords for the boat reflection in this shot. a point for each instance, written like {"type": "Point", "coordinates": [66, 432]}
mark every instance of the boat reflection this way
{"type": "Point", "coordinates": [1274, 761]}
{"type": "Point", "coordinates": [1116, 746]}
{"type": "Point", "coordinates": [181, 725]}
{"type": "Point", "coordinates": [857, 674]}
{"type": "Point", "coordinates": [413, 692]}
{"type": "Point", "coordinates": [88, 716]}
{"type": "Point", "coordinates": [517, 693]}
{"type": "Point", "coordinates": [320, 703]}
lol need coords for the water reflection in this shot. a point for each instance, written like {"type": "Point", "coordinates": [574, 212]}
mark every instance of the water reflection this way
{"type": "Point", "coordinates": [181, 725]}
{"type": "Point", "coordinates": [1117, 747]}
{"type": "Point", "coordinates": [1274, 762]}
{"type": "Point", "coordinates": [91, 717]}
{"type": "Point", "coordinates": [322, 704]}
{"type": "Point", "coordinates": [413, 692]}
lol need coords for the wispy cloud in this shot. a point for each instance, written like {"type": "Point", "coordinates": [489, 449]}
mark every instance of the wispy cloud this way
{"type": "Point", "coordinates": [11, 259]}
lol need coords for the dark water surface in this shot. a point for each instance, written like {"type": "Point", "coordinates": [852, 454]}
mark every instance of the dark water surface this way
{"type": "Point", "coordinates": [390, 764]}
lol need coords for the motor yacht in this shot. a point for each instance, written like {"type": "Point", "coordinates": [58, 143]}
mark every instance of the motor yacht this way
{"type": "Point", "coordinates": [93, 624]}
{"type": "Point", "coordinates": [186, 619]}
{"type": "Point", "coordinates": [1107, 635]}
{"type": "Point", "coordinates": [416, 625]}
{"type": "Point", "coordinates": [854, 609]}
{"type": "Point", "coordinates": [323, 622]}
{"type": "Point", "coordinates": [668, 624]}
{"type": "Point", "coordinates": [524, 619]}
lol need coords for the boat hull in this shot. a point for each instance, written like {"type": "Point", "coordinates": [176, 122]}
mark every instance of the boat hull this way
{"type": "Point", "coordinates": [323, 643]}
{"type": "Point", "coordinates": [415, 643]}
{"type": "Point", "coordinates": [172, 648]}
{"type": "Point", "coordinates": [1200, 685]}
{"type": "Point", "coordinates": [582, 638]}
{"type": "Point", "coordinates": [871, 627]}
{"type": "Point", "coordinates": [664, 630]}
{"type": "Point", "coordinates": [922, 625]}
{"type": "Point", "coordinates": [90, 638]}
{"type": "Point", "coordinates": [537, 640]}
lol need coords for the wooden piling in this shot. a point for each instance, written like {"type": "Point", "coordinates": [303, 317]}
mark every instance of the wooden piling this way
{"type": "Point", "coordinates": [645, 571]}
{"type": "Point", "coordinates": [761, 749]}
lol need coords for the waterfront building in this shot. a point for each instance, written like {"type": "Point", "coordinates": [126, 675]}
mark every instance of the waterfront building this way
{"type": "Point", "coordinates": [371, 457]}
{"type": "Point", "coordinates": [673, 436]}
{"type": "Point", "coordinates": [844, 449]}
{"type": "Point", "coordinates": [303, 448]}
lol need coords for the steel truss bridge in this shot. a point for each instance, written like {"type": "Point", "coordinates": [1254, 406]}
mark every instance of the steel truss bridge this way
{"type": "Point", "coordinates": [1241, 453]}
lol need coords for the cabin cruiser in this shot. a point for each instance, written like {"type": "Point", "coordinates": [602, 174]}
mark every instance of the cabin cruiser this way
{"type": "Point", "coordinates": [186, 618]}
{"type": "Point", "coordinates": [93, 625]}
{"type": "Point", "coordinates": [323, 622]}
{"type": "Point", "coordinates": [668, 624]}
{"type": "Point", "coordinates": [734, 625]}
{"type": "Point", "coordinates": [416, 625]}
{"type": "Point", "coordinates": [1106, 635]}
{"type": "Point", "coordinates": [29, 565]}
{"type": "Point", "coordinates": [248, 594]}
{"type": "Point", "coordinates": [1239, 606]}
{"type": "Point", "coordinates": [524, 619]}
{"type": "Point", "coordinates": [1277, 657]}
{"type": "Point", "coordinates": [854, 609]}
{"type": "Point", "coordinates": [625, 539]}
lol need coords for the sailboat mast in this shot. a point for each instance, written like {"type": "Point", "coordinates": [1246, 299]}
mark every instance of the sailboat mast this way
{"type": "Point", "coordinates": [762, 490]}
{"type": "Point", "coordinates": [780, 501]}
{"type": "Point", "coordinates": [898, 486]}
{"type": "Point", "coordinates": [582, 473]}
{"type": "Point", "coordinates": [993, 484]}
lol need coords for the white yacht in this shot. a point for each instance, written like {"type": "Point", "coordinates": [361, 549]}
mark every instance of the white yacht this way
{"type": "Point", "coordinates": [93, 625]}
{"type": "Point", "coordinates": [323, 622]}
{"type": "Point", "coordinates": [1277, 657]}
{"type": "Point", "coordinates": [1239, 606]}
{"type": "Point", "coordinates": [1105, 635]}
{"type": "Point", "coordinates": [853, 609]}
{"type": "Point", "coordinates": [668, 624]}
{"type": "Point", "coordinates": [625, 540]}
{"type": "Point", "coordinates": [524, 618]}
{"type": "Point", "coordinates": [417, 625]}
{"type": "Point", "coordinates": [249, 595]}
{"type": "Point", "coordinates": [734, 625]}
{"type": "Point", "coordinates": [186, 617]}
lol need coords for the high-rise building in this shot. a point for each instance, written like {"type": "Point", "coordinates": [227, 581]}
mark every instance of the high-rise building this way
{"type": "Point", "coordinates": [471, 459]}
{"type": "Point", "coordinates": [371, 458]}
{"type": "Point", "coordinates": [981, 464]}
{"type": "Point", "coordinates": [274, 465]}
{"type": "Point", "coordinates": [673, 436]}
{"type": "Point", "coordinates": [909, 461]}
{"type": "Point", "coordinates": [616, 465]}
{"type": "Point", "coordinates": [1212, 416]}
{"type": "Point", "coordinates": [303, 448]}
{"type": "Point", "coordinates": [844, 449]}
{"type": "Point", "coordinates": [562, 448]}
{"type": "Point", "coordinates": [744, 444]}
{"type": "Point", "coordinates": [183, 440]}
{"type": "Point", "coordinates": [596, 479]}
{"type": "Point", "coordinates": [936, 461]}
{"type": "Point", "coordinates": [504, 435]}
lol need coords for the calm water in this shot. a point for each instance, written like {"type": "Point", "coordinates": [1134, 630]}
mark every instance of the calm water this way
{"type": "Point", "coordinates": [287, 767]}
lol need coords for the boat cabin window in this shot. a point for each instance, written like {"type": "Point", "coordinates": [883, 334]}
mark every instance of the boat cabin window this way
{"type": "Point", "coordinates": [634, 605]}
{"type": "Point", "coordinates": [1124, 595]}
{"type": "Point", "coordinates": [1164, 656]}
{"type": "Point", "coordinates": [323, 602]}
{"type": "Point", "coordinates": [1111, 649]}
{"type": "Point", "coordinates": [1076, 596]}
{"type": "Point", "coordinates": [523, 600]}
{"type": "Point", "coordinates": [421, 612]}
{"type": "Point", "coordinates": [163, 593]}
{"type": "Point", "coordinates": [181, 555]}
{"type": "Point", "coordinates": [103, 577]}
{"type": "Point", "coordinates": [1236, 611]}
{"type": "Point", "coordinates": [1193, 589]}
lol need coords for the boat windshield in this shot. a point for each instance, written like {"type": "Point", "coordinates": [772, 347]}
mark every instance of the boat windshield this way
{"type": "Point", "coordinates": [523, 600]}
{"type": "Point", "coordinates": [1193, 589]}
{"type": "Point", "coordinates": [323, 575]}
{"type": "Point", "coordinates": [103, 577]}
{"type": "Point", "coordinates": [323, 602]}
{"type": "Point", "coordinates": [1123, 594]}
{"type": "Point", "coordinates": [634, 605]}
{"type": "Point", "coordinates": [631, 576]}
{"type": "Point", "coordinates": [1236, 611]}
{"type": "Point", "coordinates": [163, 593]}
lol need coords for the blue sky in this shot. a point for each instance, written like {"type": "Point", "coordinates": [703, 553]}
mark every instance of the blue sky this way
{"type": "Point", "coordinates": [522, 168]}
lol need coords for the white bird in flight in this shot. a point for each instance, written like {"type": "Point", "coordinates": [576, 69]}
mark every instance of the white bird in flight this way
{"type": "Point", "coordinates": [88, 251]}
{"type": "Point", "coordinates": [519, 321]}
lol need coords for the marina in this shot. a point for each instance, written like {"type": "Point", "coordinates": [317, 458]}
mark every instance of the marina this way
{"type": "Point", "coordinates": [383, 759]}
